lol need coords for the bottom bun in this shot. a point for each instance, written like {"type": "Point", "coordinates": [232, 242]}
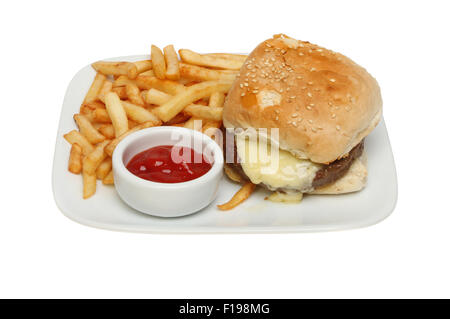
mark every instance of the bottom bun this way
{"type": "Point", "coordinates": [353, 181]}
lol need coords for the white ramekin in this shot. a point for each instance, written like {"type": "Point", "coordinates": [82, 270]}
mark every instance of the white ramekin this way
{"type": "Point", "coordinates": [166, 199]}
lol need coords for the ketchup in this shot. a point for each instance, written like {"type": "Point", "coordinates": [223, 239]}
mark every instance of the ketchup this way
{"type": "Point", "coordinates": [157, 164]}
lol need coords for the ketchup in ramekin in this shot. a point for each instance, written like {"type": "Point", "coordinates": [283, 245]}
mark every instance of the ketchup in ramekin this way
{"type": "Point", "coordinates": [169, 164]}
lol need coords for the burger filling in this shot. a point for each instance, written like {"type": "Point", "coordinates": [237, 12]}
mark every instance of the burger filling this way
{"type": "Point", "coordinates": [282, 171]}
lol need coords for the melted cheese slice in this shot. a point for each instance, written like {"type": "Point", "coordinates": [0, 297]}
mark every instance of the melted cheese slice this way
{"type": "Point", "coordinates": [275, 168]}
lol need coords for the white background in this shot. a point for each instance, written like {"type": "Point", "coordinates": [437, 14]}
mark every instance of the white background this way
{"type": "Point", "coordinates": [405, 45]}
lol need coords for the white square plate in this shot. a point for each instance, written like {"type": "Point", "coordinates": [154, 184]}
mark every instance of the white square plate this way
{"type": "Point", "coordinates": [315, 213]}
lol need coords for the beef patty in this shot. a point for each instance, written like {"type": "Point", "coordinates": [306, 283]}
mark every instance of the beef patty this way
{"type": "Point", "coordinates": [324, 176]}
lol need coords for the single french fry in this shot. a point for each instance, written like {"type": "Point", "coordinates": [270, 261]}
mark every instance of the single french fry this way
{"type": "Point", "coordinates": [107, 86]}
{"type": "Point", "coordinates": [171, 58]}
{"type": "Point", "coordinates": [109, 149]}
{"type": "Point", "coordinates": [121, 91]}
{"type": "Point", "coordinates": [198, 73]}
{"type": "Point", "coordinates": [193, 93]}
{"type": "Point", "coordinates": [95, 157]}
{"type": "Point", "coordinates": [242, 194]}
{"type": "Point", "coordinates": [134, 94]}
{"type": "Point", "coordinates": [213, 61]}
{"type": "Point", "coordinates": [87, 129]}
{"type": "Point", "coordinates": [101, 116]}
{"type": "Point", "coordinates": [194, 124]}
{"type": "Point", "coordinates": [116, 113]}
{"type": "Point", "coordinates": [116, 68]}
{"type": "Point", "coordinates": [178, 119]}
{"type": "Point", "coordinates": [143, 66]}
{"type": "Point", "coordinates": [75, 137]}
{"type": "Point", "coordinates": [168, 86]}
{"type": "Point", "coordinates": [75, 159]}
{"type": "Point", "coordinates": [204, 112]}
{"type": "Point", "coordinates": [87, 112]}
{"type": "Point", "coordinates": [216, 99]}
{"type": "Point", "coordinates": [148, 73]}
{"type": "Point", "coordinates": [107, 130]}
{"type": "Point", "coordinates": [122, 81]}
{"type": "Point", "coordinates": [89, 184]}
{"type": "Point", "coordinates": [159, 63]}
{"type": "Point", "coordinates": [232, 174]}
{"type": "Point", "coordinates": [139, 114]}
{"type": "Point", "coordinates": [104, 168]}
{"type": "Point", "coordinates": [154, 96]}
{"type": "Point", "coordinates": [94, 105]}
{"type": "Point", "coordinates": [108, 179]}
{"type": "Point", "coordinates": [96, 85]}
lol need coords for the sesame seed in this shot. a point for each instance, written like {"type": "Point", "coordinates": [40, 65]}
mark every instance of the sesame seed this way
{"type": "Point", "coordinates": [241, 85]}
{"type": "Point", "coordinates": [338, 127]}
{"type": "Point", "coordinates": [310, 121]}
{"type": "Point", "coordinates": [313, 69]}
{"type": "Point", "coordinates": [308, 107]}
{"type": "Point", "coordinates": [243, 94]}
{"type": "Point", "coordinates": [333, 116]}
{"type": "Point", "coordinates": [245, 84]}
{"type": "Point", "coordinates": [332, 80]}
{"type": "Point", "coordinates": [294, 115]}
{"type": "Point", "coordinates": [309, 94]}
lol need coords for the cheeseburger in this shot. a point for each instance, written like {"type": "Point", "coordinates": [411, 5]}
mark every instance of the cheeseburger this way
{"type": "Point", "coordinates": [322, 104]}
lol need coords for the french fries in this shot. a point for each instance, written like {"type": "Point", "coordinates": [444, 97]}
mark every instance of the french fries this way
{"type": "Point", "coordinates": [117, 113]}
{"type": "Point", "coordinates": [242, 194]}
{"type": "Point", "coordinates": [193, 93]}
{"type": "Point", "coordinates": [151, 82]}
{"type": "Point", "coordinates": [75, 137]}
{"type": "Point", "coordinates": [171, 57]}
{"type": "Point", "coordinates": [75, 159]}
{"type": "Point", "coordinates": [198, 73]}
{"type": "Point", "coordinates": [204, 112]}
{"type": "Point", "coordinates": [139, 114]}
{"type": "Point", "coordinates": [134, 94]}
{"type": "Point", "coordinates": [232, 174]}
{"type": "Point", "coordinates": [126, 97]}
{"type": "Point", "coordinates": [92, 94]}
{"type": "Point", "coordinates": [104, 168]}
{"type": "Point", "coordinates": [143, 66]}
{"type": "Point", "coordinates": [94, 158]}
{"type": "Point", "coordinates": [159, 63]}
{"type": "Point", "coordinates": [108, 179]}
{"type": "Point", "coordinates": [216, 99]}
{"type": "Point", "coordinates": [116, 68]}
{"type": "Point", "coordinates": [214, 61]}
{"type": "Point", "coordinates": [87, 129]}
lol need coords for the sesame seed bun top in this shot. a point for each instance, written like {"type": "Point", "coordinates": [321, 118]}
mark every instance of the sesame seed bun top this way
{"type": "Point", "coordinates": [323, 103]}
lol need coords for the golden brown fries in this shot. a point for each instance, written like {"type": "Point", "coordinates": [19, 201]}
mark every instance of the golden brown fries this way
{"type": "Point", "coordinates": [93, 160]}
{"type": "Point", "coordinates": [108, 179]}
{"type": "Point", "coordinates": [104, 168]}
{"type": "Point", "coordinates": [191, 94]}
{"type": "Point", "coordinates": [116, 68]}
{"type": "Point", "coordinates": [112, 145]}
{"type": "Point", "coordinates": [204, 112]}
{"type": "Point", "coordinates": [198, 73]}
{"type": "Point", "coordinates": [107, 87]}
{"type": "Point", "coordinates": [241, 195]}
{"type": "Point", "coordinates": [134, 94]}
{"type": "Point", "coordinates": [117, 113]}
{"type": "Point", "coordinates": [122, 81]}
{"type": "Point", "coordinates": [214, 61]}
{"type": "Point", "coordinates": [126, 97]}
{"type": "Point", "coordinates": [75, 159]}
{"type": "Point", "coordinates": [143, 66]}
{"type": "Point", "coordinates": [151, 82]}
{"type": "Point", "coordinates": [171, 57]}
{"type": "Point", "coordinates": [231, 174]}
{"type": "Point", "coordinates": [92, 94]}
{"type": "Point", "coordinates": [139, 114]}
{"type": "Point", "coordinates": [89, 184]}
{"type": "Point", "coordinates": [107, 131]}
{"type": "Point", "coordinates": [75, 137]}
{"type": "Point", "coordinates": [159, 63]}
{"type": "Point", "coordinates": [87, 129]}
{"type": "Point", "coordinates": [217, 99]}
